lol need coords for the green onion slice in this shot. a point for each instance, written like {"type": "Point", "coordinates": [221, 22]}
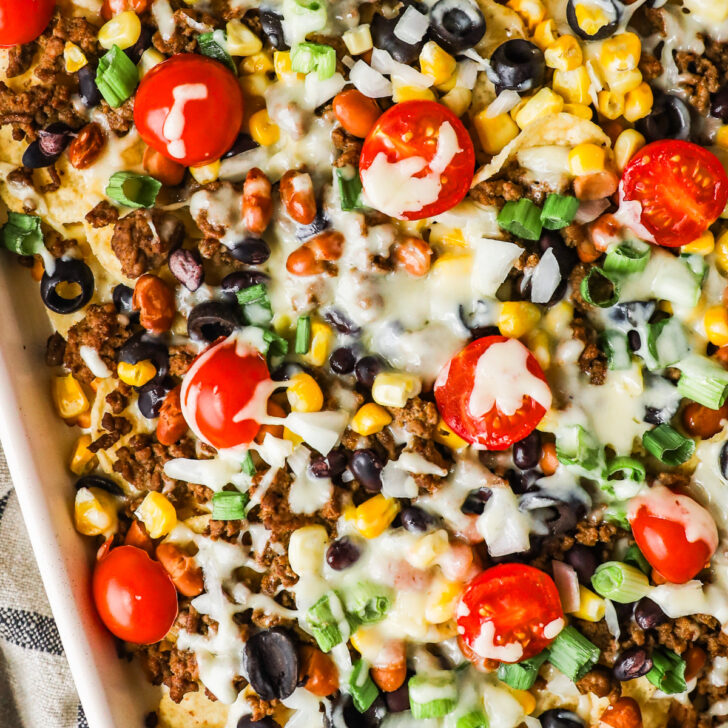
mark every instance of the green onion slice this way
{"type": "Point", "coordinates": [366, 603]}
{"type": "Point", "coordinates": [229, 505]}
{"type": "Point", "coordinates": [631, 257]}
{"type": "Point", "coordinates": [620, 582]}
{"type": "Point", "coordinates": [628, 469]}
{"type": "Point", "coordinates": [473, 719]}
{"type": "Point", "coordinates": [599, 289]}
{"type": "Point", "coordinates": [22, 234]}
{"type": "Point", "coordinates": [634, 556]}
{"type": "Point", "coordinates": [573, 654]}
{"type": "Point", "coordinates": [668, 671]}
{"type": "Point", "coordinates": [559, 211]}
{"type": "Point", "coordinates": [350, 189]}
{"type": "Point", "coordinates": [666, 343]}
{"type": "Point", "coordinates": [214, 45]}
{"type": "Point", "coordinates": [614, 345]}
{"type": "Point", "coordinates": [303, 335]}
{"type": "Point", "coordinates": [577, 448]}
{"type": "Point", "coordinates": [703, 380]}
{"type": "Point", "coordinates": [116, 77]}
{"type": "Point", "coordinates": [255, 304]}
{"type": "Point", "coordinates": [307, 57]}
{"type": "Point", "coordinates": [361, 686]}
{"type": "Point", "coordinates": [277, 345]}
{"type": "Point", "coordinates": [310, 13]}
{"type": "Point", "coordinates": [327, 622]}
{"type": "Point", "coordinates": [522, 219]}
{"type": "Point", "coordinates": [132, 189]}
{"type": "Point", "coordinates": [432, 695]}
{"type": "Point", "coordinates": [522, 675]}
{"type": "Point", "coordinates": [668, 445]}
{"type": "Point", "coordinates": [248, 464]}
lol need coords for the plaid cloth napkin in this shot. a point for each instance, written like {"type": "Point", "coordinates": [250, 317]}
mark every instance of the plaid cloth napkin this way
{"type": "Point", "coordinates": [36, 688]}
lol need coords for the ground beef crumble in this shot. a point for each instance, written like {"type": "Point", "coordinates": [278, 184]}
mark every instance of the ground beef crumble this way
{"type": "Point", "coordinates": [349, 148]}
{"type": "Point", "coordinates": [418, 417]}
{"type": "Point", "coordinates": [102, 215]}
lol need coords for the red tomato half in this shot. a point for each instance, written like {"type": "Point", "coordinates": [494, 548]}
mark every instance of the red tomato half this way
{"type": "Point", "coordinates": [509, 613]}
{"type": "Point", "coordinates": [23, 20]}
{"type": "Point", "coordinates": [407, 131]}
{"type": "Point", "coordinates": [134, 595]}
{"type": "Point", "coordinates": [677, 535]}
{"type": "Point", "coordinates": [218, 385]}
{"type": "Point", "coordinates": [493, 429]}
{"type": "Point", "coordinates": [682, 188]}
{"type": "Point", "coordinates": [189, 108]}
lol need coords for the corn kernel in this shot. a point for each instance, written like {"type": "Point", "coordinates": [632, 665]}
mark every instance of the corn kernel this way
{"type": "Point", "coordinates": [206, 173]}
{"type": "Point", "coordinates": [241, 41]}
{"type": "Point", "coordinates": [436, 63]}
{"type": "Point", "coordinates": [443, 235]}
{"type": "Point", "coordinates": [558, 319]}
{"type": "Point", "coordinates": [704, 245]}
{"type": "Point", "coordinates": [591, 607]}
{"type": "Point", "coordinates": [587, 158]}
{"type": "Point", "coordinates": [458, 100]}
{"type": "Point", "coordinates": [83, 420]}
{"type": "Point", "coordinates": [538, 343]}
{"type": "Point", "coordinates": [610, 104]}
{"type": "Point", "coordinates": [292, 437]}
{"type": "Point", "coordinates": [624, 81]}
{"type": "Point", "coordinates": [304, 393]}
{"type": "Point", "coordinates": [573, 86]}
{"type": "Point", "coordinates": [545, 34]}
{"type": "Point", "coordinates": [628, 143]}
{"type": "Point", "coordinates": [157, 514]}
{"type": "Point", "coordinates": [69, 397]}
{"type": "Point", "coordinates": [527, 701]}
{"type": "Point", "coordinates": [531, 11]}
{"type": "Point", "coordinates": [716, 325]}
{"type": "Point", "coordinates": [517, 318]}
{"type": "Point", "coordinates": [284, 68]}
{"type": "Point", "coordinates": [394, 389]}
{"type": "Point", "coordinates": [81, 457]}
{"type": "Point", "coordinates": [94, 512]}
{"type": "Point", "coordinates": [441, 602]}
{"type": "Point", "coordinates": [263, 130]}
{"type": "Point", "coordinates": [621, 52]}
{"type": "Point", "coordinates": [543, 103]}
{"type": "Point", "coordinates": [403, 92]}
{"type": "Point", "coordinates": [427, 549]}
{"type": "Point", "coordinates": [370, 419]}
{"type": "Point", "coordinates": [374, 516]}
{"type": "Point", "coordinates": [564, 54]}
{"type": "Point", "coordinates": [580, 110]}
{"type": "Point", "coordinates": [136, 375]}
{"type": "Point", "coordinates": [721, 253]}
{"type": "Point", "coordinates": [517, 108]}
{"type": "Point", "coordinates": [257, 63]}
{"type": "Point", "coordinates": [445, 436]}
{"type": "Point", "coordinates": [254, 86]}
{"type": "Point", "coordinates": [638, 102]}
{"type": "Point", "coordinates": [449, 84]}
{"type": "Point", "coordinates": [721, 137]}
{"type": "Point", "coordinates": [322, 338]}
{"type": "Point", "coordinates": [73, 57]}
{"type": "Point", "coordinates": [494, 133]}
{"type": "Point", "coordinates": [358, 40]}
{"type": "Point", "coordinates": [590, 18]}
{"type": "Point", "coordinates": [150, 58]}
{"type": "Point", "coordinates": [306, 549]}
{"type": "Point", "coordinates": [368, 642]}
{"type": "Point", "coordinates": [123, 30]}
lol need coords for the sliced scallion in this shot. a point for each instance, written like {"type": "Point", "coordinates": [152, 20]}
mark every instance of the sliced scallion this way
{"type": "Point", "coordinates": [573, 654]}
{"type": "Point", "coordinates": [668, 671]}
{"type": "Point", "coordinates": [229, 505]}
{"type": "Point", "coordinates": [559, 211]}
{"type": "Point", "coordinates": [132, 189]}
{"type": "Point", "coordinates": [522, 675]}
{"type": "Point", "coordinates": [703, 380]}
{"type": "Point", "coordinates": [577, 448]}
{"type": "Point", "coordinates": [666, 343]}
{"type": "Point", "coordinates": [326, 619]}
{"type": "Point", "coordinates": [432, 695]}
{"type": "Point", "coordinates": [366, 603]}
{"type": "Point", "coordinates": [620, 582]}
{"type": "Point", "coordinates": [599, 289]}
{"type": "Point", "coordinates": [255, 305]}
{"type": "Point", "coordinates": [22, 234]}
{"type": "Point", "coordinates": [308, 57]}
{"type": "Point", "coordinates": [277, 346]}
{"type": "Point", "coordinates": [309, 14]}
{"type": "Point", "coordinates": [214, 45]}
{"type": "Point", "coordinates": [248, 464]}
{"type": "Point", "coordinates": [630, 257]}
{"type": "Point", "coordinates": [627, 468]}
{"type": "Point", "coordinates": [616, 348]}
{"type": "Point", "coordinates": [633, 555]}
{"type": "Point", "coordinates": [473, 719]}
{"type": "Point", "coordinates": [303, 335]}
{"type": "Point", "coordinates": [116, 77]}
{"type": "Point", "coordinates": [522, 219]}
{"type": "Point", "coordinates": [668, 445]}
{"type": "Point", "coordinates": [350, 189]}
{"type": "Point", "coordinates": [361, 686]}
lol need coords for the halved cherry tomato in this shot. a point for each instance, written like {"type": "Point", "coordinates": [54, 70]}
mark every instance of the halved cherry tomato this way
{"type": "Point", "coordinates": [674, 532]}
{"type": "Point", "coordinates": [508, 613]}
{"type": "Point", "coordinates": [189, 108]}
{"type": "Point", "coordinates": [134, 595]}
{"type": "Point", "coordinates": [682, 188]}
{"type": "Point", "coordinates": [23, 20]}
{"type": "Point", "coordinates": [217, 387]}
{"type": "Point", "coordinates": [509, 374]}
{"type": "Point", "coordinates": [397, 155]}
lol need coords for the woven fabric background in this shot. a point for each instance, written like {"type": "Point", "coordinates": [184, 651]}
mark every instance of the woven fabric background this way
{"type": "Point", "coordinates": [36, 688]}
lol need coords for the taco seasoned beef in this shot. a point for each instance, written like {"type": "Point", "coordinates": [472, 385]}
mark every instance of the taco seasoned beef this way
{"type": "Point", "coordinates": [395, 339]}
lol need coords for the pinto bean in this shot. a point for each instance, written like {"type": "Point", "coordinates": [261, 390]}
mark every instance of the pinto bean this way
{"type": "Point", "coordinates": [414, 255]}
{"type": "Point", "coordinates": [317, 672]}
{"type": "Point", "coordinates": [303, 262]}
{"type": "Point", "coordinates": [257, 201]}
{"type": "Point", "coordinates": [356, 112]}
{"type": "Point", "coordinates": [85, 149]}
{"type": "Point", "coordinates": [327, 246]}
{"type": "Point", "coordinates": [274, 410]}
{"type": "Point", "coordinates": [137, 536]}
{"type": "Point", "coordinates": [297, 196]}
{"type": "Point", "coordinates": [162, 168]}
{"type": "Point", "coordinates": [154, 300]}
{"type": "Point", "coordinates": [695, 658]}
{"type": "Point", "coordinates": [596, 186]}
{"type": "Point", "coordinates": [701, 421]}
{"type": "Point", "coordinates": [623, 713]}
{"type": "Point", "coordinates": [182, 569]}
{"type": "Point", "coordinates": [604, 231]}
{"type": "Point", "coordinates": [548, 463]}
{"type": "Point", "coordinates": [114, 7]}
{"type": "Point", "coordinates": [389, 674]}
{"type": "Point", "coordinates": [171, 425]}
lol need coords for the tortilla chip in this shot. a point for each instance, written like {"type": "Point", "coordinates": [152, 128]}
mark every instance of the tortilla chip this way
{"type": "Point", "coordinates": [195, 711]}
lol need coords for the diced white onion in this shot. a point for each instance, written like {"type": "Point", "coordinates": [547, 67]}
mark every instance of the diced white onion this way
{"type": "Point", "coordinates": [475, 56]}
{"type": "Point", "coordinates": [546, 278]}
{"type": "Point", "coordinates": [503, 103]}
{"type": "Point", "coordinates": [317, 92]}
{"type": "Point", "coordinates": [590, 210]}
{"type": "Point", "coordinates": [493, 261]}
{"type": "Point", "coordinates": [384, 63]}
{"type": "Point", "coordinates": [411, 26]}
{"type": "Point", "coordinates": [467, 75]}
{"type": "Point", "coordinates": [370, 82]}
{"type": "Point", "coordinates": [567, 582]}
{"type": "Point", "coordinates": [611, 618]}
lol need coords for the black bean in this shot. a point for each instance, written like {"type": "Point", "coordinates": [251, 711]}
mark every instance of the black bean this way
{"type": "Point", "coordinates": [122, 296]}
{"type": "Point", "coordinates": [478, 319]}
{"type": "Point", "coordinates": [669, 119]}
{"type": "Point", "coordinates": [285, 371]}
{"type": "Point", "coordinates": [151, 397]}
{"type": "Point", "coordinates": [584, 561]}
{"type": "Point", "coordinates": [342, 554]}
{"type": "Point", "coordinates": [342, 360]}
{"type": "Point", "coordinates": [518, 65]}
{"type": "Point", "coordinates": [366, 466]}
{"type": "Point", "coordinates": [141, 346]}
{"type": "Point", "coordinates": [344, 714]}
{"type": "Point", "coordinates": [565, 256]}
{"type": "Point", "coordinates": [186, 266]}
{"type": "Point", "coordinates": [367, 368]}
{"type": "Point", "coordinates": [604, 32]}
{"type": "Point", "coordinates": [67, 271]}
{"type": "Point", "coordinates": [251, 251]}
{"type": "Point", "coordinates": [144, 41]}
{"type": "Point", "coordinates": [527, 452]}
{"type": "Point", "coordinates": [475, 502]}
{"type": "Point", "coordinates": [634, 340]}
{"type": "Point", "coordinates": [271, 662]}
{"type": "Point", "coordinates": [266, 722]}
{"type": "Point", "coordinates": [398, 701]}
{"type": "Point", "coordinates": [523, 481]}
{"type": "Point", "coordinates": [211, 320]}
{"type": "Point", "coordinates": [88, 90]}
{"type": "Point", "coordinates": [719, 103]}
{"type": "Point", "coordinates": [234, 282]}
{"type": "Point", "coordinates": [337, 461]}
{"type": "Point", "coordinates": [272, 25]}
{"type": "Point", "coordinates": [99, 481]}
{"type": "Point", "coordinates": [382, 30]}
{"type": "Point", "coordinates": [320, 223]}
{"type": "Point", "coordinates": [243, 143]}
{"type": "Point", "coordinates": [417, 520]}
{"type": "Point", "coordinates": [456, 25]}
{"type": "Point", "coordinates": [35, 158]}
{"type": "Point", "coordinates": [634, 313]}
{"type": "Point", "coordinates": [341, 322]}
{"type": "Point", "coordinates": [648, 614]}
{"type": "Point", "coordinates": [560, 718]}
{"type": "Point", "coordinates": [723, 460]}
{"type": "Point", "coordinates": [632, 663]}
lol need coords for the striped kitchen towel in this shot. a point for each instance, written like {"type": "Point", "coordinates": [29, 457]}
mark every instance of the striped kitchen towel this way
{"type": "Point", "coordinates": [36, 688]}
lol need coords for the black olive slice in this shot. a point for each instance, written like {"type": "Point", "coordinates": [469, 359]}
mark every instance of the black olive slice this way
{"type": "Point", "coordinates": [211, 320]}
{"type": "Point", "coordinates": [68, 272]}
{"type": "Point", "coordinates": [271, 662]}
{"type": "Point", "coordinates": [608, 8]}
